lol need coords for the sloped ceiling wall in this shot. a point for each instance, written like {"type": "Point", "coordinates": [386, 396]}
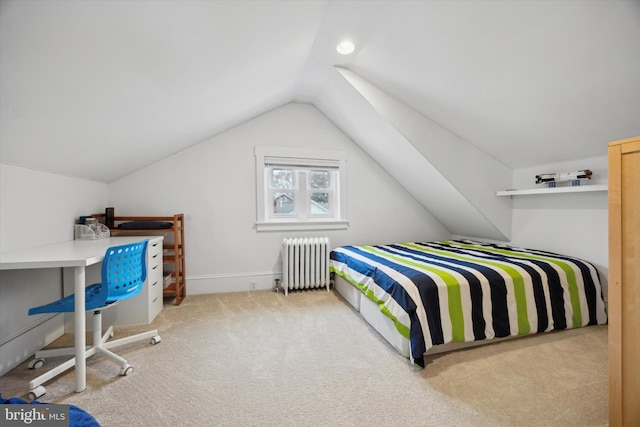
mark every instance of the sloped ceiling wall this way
{"type": "Point", "coordinates": [452, 179]}
{"type": "Point", "coordinates": [99, 89]}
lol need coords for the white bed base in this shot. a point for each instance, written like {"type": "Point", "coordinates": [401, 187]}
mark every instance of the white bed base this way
{"type": "Point", "coordinates": [370, 311]}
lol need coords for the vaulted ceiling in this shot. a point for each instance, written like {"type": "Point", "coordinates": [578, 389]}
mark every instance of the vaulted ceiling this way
{"type": "Point", "coordinates": [98, 89]}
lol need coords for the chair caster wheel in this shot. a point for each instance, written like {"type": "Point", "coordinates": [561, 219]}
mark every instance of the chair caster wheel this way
{"type": "Point", "coordinates": [36, 363]}
{"type": "Point", "coordinates": [155, 340]}
{"type": "Point", "coordinates": [126, 370]}
{"type": "Point", "coordinates": [37, 392]}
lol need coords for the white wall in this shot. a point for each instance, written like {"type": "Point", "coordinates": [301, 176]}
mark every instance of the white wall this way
{"type": "Point", "coordinates": [453, 179]}
{"type": "Point", "coordinates": [213, 184]}
{"type": "Point", "coordinates": [36, 208]}
{"type": "Point", "coordinates": [569, 223]}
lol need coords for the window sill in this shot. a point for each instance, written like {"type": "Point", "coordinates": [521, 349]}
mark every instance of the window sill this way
{"type": "Point", "coordinates": [301, 226]}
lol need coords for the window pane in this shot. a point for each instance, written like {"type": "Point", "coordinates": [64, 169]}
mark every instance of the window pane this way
{"type": "Point", "coordinates": [283, 203]}
{"type": "Point", "coordinates": [282, 178]}
{"type": "Point", "coordinates": [318, 179]}
{"type": "Point", "coordinates": [319, 203]}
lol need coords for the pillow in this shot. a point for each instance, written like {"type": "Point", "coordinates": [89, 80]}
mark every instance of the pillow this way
{"type": "Point", "coordinates": [145, 225]}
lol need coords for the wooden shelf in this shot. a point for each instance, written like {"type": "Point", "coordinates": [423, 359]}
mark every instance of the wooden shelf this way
{"type": "Point", "coordinates": [173, 251]}
{"type": "Point", "coordinates": [555, 190]}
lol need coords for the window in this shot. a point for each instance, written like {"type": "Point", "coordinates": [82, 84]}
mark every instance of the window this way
{"type": "Point", "coordinates": [300, 192]}
{"type": "Point", "coordinates": [299, 189]}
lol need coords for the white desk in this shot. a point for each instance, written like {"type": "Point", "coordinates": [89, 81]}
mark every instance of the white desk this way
{"type": "Point", "coordinates": [76, 255]}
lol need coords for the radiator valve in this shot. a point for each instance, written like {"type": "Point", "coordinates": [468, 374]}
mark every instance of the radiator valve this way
{"type": "Point", "coordinates": [277, 286]}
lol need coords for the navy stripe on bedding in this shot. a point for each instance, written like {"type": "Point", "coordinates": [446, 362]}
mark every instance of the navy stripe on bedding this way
{"type": "Point", "coordinates": [474, 287]}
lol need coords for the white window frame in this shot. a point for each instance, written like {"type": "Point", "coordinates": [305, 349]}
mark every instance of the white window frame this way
{"type": "Point", "coordinates": [267, 157]}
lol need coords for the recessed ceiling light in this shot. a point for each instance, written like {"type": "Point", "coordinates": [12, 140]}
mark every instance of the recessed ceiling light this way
{"type": "Point", "coordinates": [345, 47]}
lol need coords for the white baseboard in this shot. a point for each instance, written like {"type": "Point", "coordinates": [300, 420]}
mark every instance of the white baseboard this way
{"type": "Point", "coordinates": [236, 282]}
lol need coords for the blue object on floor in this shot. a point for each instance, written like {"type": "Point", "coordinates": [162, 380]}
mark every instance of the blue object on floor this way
{"type": "Point", "coordinates": [77, 417]}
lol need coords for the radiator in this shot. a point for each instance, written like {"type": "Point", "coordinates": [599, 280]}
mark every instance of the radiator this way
{"type": "Point", "coordinates": [305, 263]}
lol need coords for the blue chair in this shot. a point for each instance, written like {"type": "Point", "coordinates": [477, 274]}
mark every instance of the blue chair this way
{"type": "Point", "coordinates": [123, 274]}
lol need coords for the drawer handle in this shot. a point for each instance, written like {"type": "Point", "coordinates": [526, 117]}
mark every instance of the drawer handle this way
{"type": "Point", "coordinates": [156, 255]}
{"type": "Point", "coordinates": [155, 283]}
{"type": "Point", "coordinates": [155, 299]}
{"type": "Point", "coordinates": [154, 267]}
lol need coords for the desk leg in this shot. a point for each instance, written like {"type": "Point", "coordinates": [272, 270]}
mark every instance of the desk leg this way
{"type": "Point", "coordinates": [80, 328]}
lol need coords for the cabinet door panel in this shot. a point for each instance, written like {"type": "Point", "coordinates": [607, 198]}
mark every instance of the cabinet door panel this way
{"type": "Point", "coordinates": [630, 295]}
{"type": "Point", "coordinates": [624, 282]}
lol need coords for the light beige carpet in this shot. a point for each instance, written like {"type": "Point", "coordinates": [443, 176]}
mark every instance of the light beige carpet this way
{"type": "Point", "coordinates": [263, 359]}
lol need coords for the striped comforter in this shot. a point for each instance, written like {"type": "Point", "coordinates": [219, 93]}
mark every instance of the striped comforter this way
{"type": "Point", "coordinates": [462, 290]}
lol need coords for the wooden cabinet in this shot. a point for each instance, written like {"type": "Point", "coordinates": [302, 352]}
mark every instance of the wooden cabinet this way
{"type": "Point", "coordinates": [624, 282]}
{"type": "Point", "coordinates": [173, 257]}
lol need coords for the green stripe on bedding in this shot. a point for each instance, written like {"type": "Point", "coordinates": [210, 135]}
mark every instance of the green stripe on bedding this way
{"type": "Point", "coordinates": [574, 293]}
{"type": "Point", "coordinates": [453, 290]}
{"type": "Point", "coordinates": [524, 327]}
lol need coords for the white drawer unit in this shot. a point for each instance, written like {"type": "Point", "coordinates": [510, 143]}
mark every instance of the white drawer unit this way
{"type": "Point", "coordinates": [144, 307]}
{"type": "Point", "coordinates": [154, 277]}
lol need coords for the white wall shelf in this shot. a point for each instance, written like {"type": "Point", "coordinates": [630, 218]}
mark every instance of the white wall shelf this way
{"type": "Point", "coordinates": [555, 190]}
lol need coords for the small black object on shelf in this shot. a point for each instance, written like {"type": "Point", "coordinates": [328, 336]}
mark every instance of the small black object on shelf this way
{"type": "Point", "coordinates": [109, 215]}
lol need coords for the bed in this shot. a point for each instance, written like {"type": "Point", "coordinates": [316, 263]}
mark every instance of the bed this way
{"type": "Point", "coordinates": [427, 297]}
